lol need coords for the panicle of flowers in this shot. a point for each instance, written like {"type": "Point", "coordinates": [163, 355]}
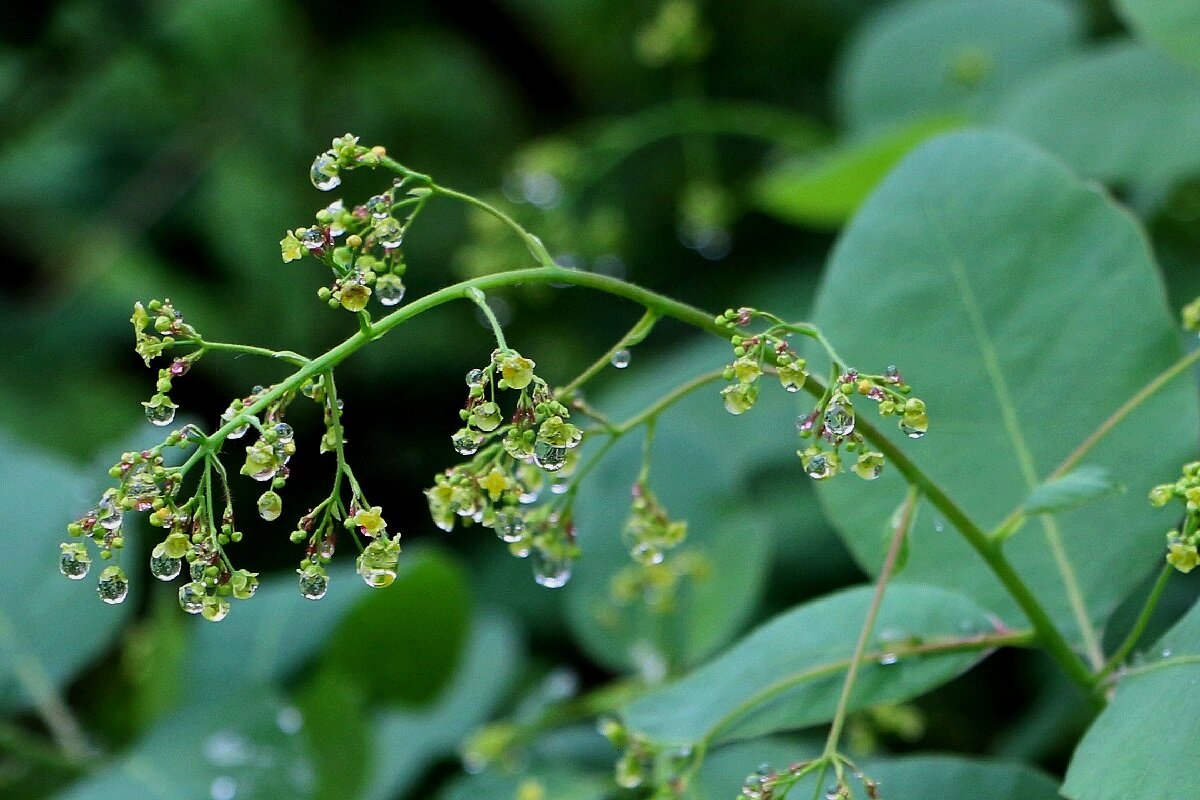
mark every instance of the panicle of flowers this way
{"type": "Point", "coordinates": [766, 783]}
{"type": "Point", "coordinates": [643, 763]}
{"type": "Point", "coordinates": [1182, 542]}
{"type": "Point", "coordinates": [510, 456]}
{"type": "Point", "coordinates": [157, 327]}
{"type": "Point", "coordinates": [649, 532]}
{"type": "Point", "coordinates": [360, 244]}
{"type": "Point", "coordinates": [657, 585]}
{"type": "Point", "coordinates": [830, 426]}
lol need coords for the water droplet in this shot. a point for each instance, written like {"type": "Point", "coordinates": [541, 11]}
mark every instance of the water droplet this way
{"type": "Point", "coordinates": [892, 374]}
{"type": "Point", "coordinates": [380, 206]}
{"type": "Point", "coordinates": [1166, 652]}
{"type": "Point", "coordinates": [475, 378]}
{"type": "Point", "coordinates": [549, 457]}
{"type": "Point", "coordinates": [160, 415]}
{"type": "Point", "coordinates": [74, 562]}
{"type": "Point", "coordinates": [328, 545]}
{"type": "Point", "coordinates": [223, 788]}
{"type": "Point", "coordinates": [312, 238]}
{"type": "Point", "coordinates": [227, 748]}
{"type": "Point", "coordinates": [313, 585]}
{"type": "Point", "coordinates": [839, 419]}
{"type": "Point", "coordinates": [620, 359]}
{"type": "Point", "coordinates": [289, 720]}
{"type": "Point", "coordinates": [113, 587]}
{"type": "Point", "coordinates": [819, 468]}
{"type": "Point", "coordinates": [510, 526]}
{"type": "Point", "coordinates": [939, 524]}
{"type": "Point", "coordinates": [163, 567]}
{"type": "Point", "coordinates": [560, 487]}
{"type": "Point", "coordinates": [647, 553]}
{"type": "Point", "coordinates": [551, 571]}
{"type": "Point", "coordinates": [389, 289]}
{"type": "Point", "coordinates": [888, 658]}
{"type": "Point", "coordinates": [324, 173]}
{"type": "Point", "coordinates": [629, 773]}
{"type": "Point", "coordinates": [466, 442]}
{"type": "Point", "coordinates": [388, 232]}
{"type": "Point", "coordinates": [911, 431]}
{"type": "Point", "coordinates": [377, 577]}
{"type": "Point", "coordinates": [270, 506]}
{"type": "Point", "coordinates": [215, 609]}
{"type": "Point", "coordinates": [283, 432]}
{"type": "Point", "coordinates": [191, 597]}
{"type": "Point", "coordinates": [196, 570]}
{"type": "Point", "coordinates": [108, 513]}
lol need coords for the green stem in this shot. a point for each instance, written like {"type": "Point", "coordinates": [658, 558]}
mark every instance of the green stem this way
{"type": "Point", "coordinates": [885, 574]}
{"type": "Point", "coordinates": [1139, 626]}
{"type": "Point", "coordinates": [247, 349]}
{"type": "Point", "coordinates": [480, 299]}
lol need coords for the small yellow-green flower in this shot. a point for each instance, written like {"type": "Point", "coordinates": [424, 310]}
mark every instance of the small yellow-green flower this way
{"type": "Point", "coordinates": [746, 370]}
{"type": "Point", "coordinates": [291, 248]}
{"type": "Point", "coordinates": [495, 483]}
{"type": "Point", "coordinates": [516, 370]}
{"type": "Point", "coordinates": [1182, 556]}
{"type": "Point", "coordinates": [354, 297]}
{"type": "Point", "coordinates": [370, 520]}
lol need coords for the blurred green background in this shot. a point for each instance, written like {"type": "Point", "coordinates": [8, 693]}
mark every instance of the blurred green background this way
{"type": "Point", "coordinates": [710, 151]}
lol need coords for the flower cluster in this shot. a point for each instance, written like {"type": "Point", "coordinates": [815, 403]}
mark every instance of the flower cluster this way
{"type": "Point", "coordinates": [368, 261]}
{"type": "Point", "coordinates": [169, 329]}
{"type": "Point", "coordinates": [1182, 542]}
{"type": "Point", "coordinates": [649, 532]}
{"type": "Point", "coordinates": [643, 763]}
{"type": "Point", "coordinates": [768, 784]}
{"type": "Point", "coordinates": [831, 424]}
{"type": "Point", "coordinates": [509, 458]}
{"type": "Point", "coordinates": [657, 585]}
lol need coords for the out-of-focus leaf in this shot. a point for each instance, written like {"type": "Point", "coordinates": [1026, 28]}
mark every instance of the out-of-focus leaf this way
{"type": "Point", "coordinates": [402, 642]}
{"type": "Point", "coordinates": [788, 673]}
{"type": "Point", "coordinates": [406, 741]}
{"type": "Point", "coordinates": [949, 57]}
{"type": "Point", "coordinates": [337, 706]}
{"type": "Point", "coordinates": [924, 777]}
{"type": "Point", "coordinates": [977, 245]}
{"type": "Point", "coordinates": [825, 190]}
{"type": "Point", "coordinates": [1172, 25]}
{"type": "Point", "coordinates": [724, 770]}
{"type": "Point", "coordinates": [1153, 719]}
{"type": "Point", "coordinates": [559, 784]}
{"type": "Point", "coordinates": [1078, 487]}
{"type": "Point", "coordinates": [1149, 130]}
{"type": "Point", "coordinates": [50, 627]}
{"type": "Point", "coordinates": [245, 746]}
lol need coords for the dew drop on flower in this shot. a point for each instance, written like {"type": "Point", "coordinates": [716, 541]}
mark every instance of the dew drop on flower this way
{"type": "Point", "coordinates": [509, 526]}
{"type": "Point", "coordinates": [465, 443]}
{"type": "Point", "coordinates": [163, 567]}
{"type": "Point", "coordinates": [888, 659]}
{"type": "Point", "coordinates": [819, 468]}
{"type": "Point", "coordinates": [324, 173]}
{"type": "Point", "coordinates": [312, 238]}
{"type": "Point", "coordinates": [108, 512]}
{"type": "Point", "coordinates": [388, 232]}
{"type": "Point", "coordinates": [113, 587]}
{"type": "Point", "coordinates": [215, 609]}
{"type": "Point", "coordinates": [160, 415]}
{"type": "Point", "coordinates": [283, 432]}
{"type": "Point", "coordinates": [191, 597]}
{"type": "Point", "coordinates": [839, 420]}
{"type": "Point", "coordinates": [328, 545]}
{"type": "Point", "coordinates": [74, 564]}
{"type": "Point", "coordinates": [911, 432]}
{"type": "Point", "coordinates": [313, 585]}
{"type": "Point", "coordinates": [377, 577]}
{"type": "Point", "coordinates": [270, 506]}
{"type": "Point", "coordinates": [379, 206]}
{"type": "Point", "coordinates": [550, 571]}
{"type": "Point", "coordinates": [620, 359]}
{"type": "Point", "coordinates": [549, 457]}
{"type": "Point", "coordinates": [389, 289]}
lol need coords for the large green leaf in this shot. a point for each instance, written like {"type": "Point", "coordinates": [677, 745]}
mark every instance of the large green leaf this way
{"type": "Point", "coordinates": [788, 672]}
{"type": "Point", "coordinates": [949, 56]}
{"type": "Point", "coordinates": [825, 188]}
{"type": "Point", "coordinates": [50, 627]}
{"type": "Point", "coordinates": [1146, 742]}
{"type": "Point", "coordinates": [1173, 25]}
{"type": "Point", "coordinates": [1150, 126]}
{"type": "Point", "coordinates": [245, 747]}
{"type": "Point", "coordinates": [1025, 307]}
{"type": "Point", "coordinates": [559, 784]}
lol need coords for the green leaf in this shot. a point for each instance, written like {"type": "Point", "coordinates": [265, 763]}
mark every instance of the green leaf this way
{"type": "Point", "coordinates": [411, 633]}
{"type": "Point", "coordinates": [965, 268]}
{"type": "Point", "coordinates": [788, 673]}
{"type": "Point", "coordinates": [949, 57]}
{"type": "Point", "coordinates": [1150, 128]}
{"type": "Point", "coordinates": [825, 189]}
{"type": "Point", "coordinates": [1172, 25]}
{"type": "Point", "coordinates": [407, 741]}
{"type": "Point", "coordinates": [245, 747]}
{"type": "Point", "coordinates": [555, 784]}
{"type": "Point", "coordinates": [724, 770]}
{"type": "Point", "coordinates": [1076, 488]}
{"type": "Point", "coordinates": [339, 705]}
{"type": "Point", "coordinates": [1144, 743]}
{"type": "Point", "coordinates": [50, 627]}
